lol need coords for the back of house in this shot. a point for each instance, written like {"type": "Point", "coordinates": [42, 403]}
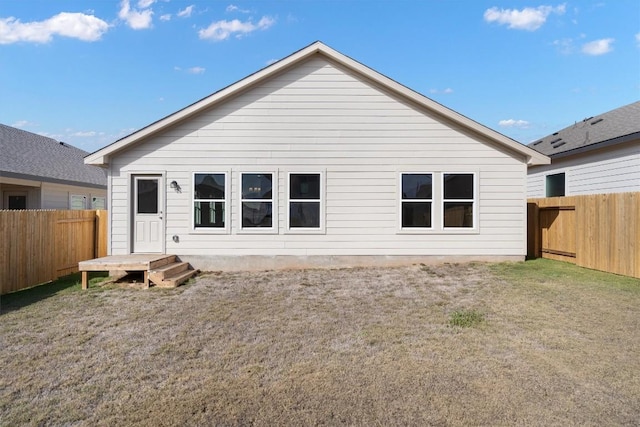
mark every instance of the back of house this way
{"type": "Point", "coordinates": [317, 160]}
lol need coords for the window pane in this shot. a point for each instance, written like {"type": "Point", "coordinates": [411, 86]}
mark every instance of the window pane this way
{"type": "Point", "coordinates": [458, 214]}
{"type": "Point", "coordinates": [209, 186]}
{"type": "Point", "coordinates": [555, 185]}
{"type": "Point", "coordinates": [458, 186]}
{"type": "Point", "coordinates": [147, 194]}
{"type": "Point", "coordinates": [256, 214]}
{"type": "Point", "coordinates": [304, 186]}
{"type": "Point", "coordinates": [304, 214]}
{"type": "Point", "coordinates": [17, 202]}
{"type": "Point", "coordinates": [416, 186]}
{"type": "Point", "coordinates": [256, 186]}
{"type": "Point", "coordinates": [208, 214]}
{"type": "Point", "coordinates": [416, 214]}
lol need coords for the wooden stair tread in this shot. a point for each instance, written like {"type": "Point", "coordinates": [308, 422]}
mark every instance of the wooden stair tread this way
{"type": "Point", "coordinates": [175, 280]}
{"type": "Point", "coordinates": [170, 269]}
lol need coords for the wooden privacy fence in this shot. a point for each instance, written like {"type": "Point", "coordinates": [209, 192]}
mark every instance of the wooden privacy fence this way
{"type": "Point", "coordinates": [600, 231]}
{"type": "Point", "coordinates": [39, 246]}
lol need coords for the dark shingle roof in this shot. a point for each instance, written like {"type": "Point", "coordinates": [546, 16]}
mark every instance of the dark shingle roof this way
{"type": "Point", "coordinates": [28, 155]}
{"type": "Point", "coordinates": [614, 126]}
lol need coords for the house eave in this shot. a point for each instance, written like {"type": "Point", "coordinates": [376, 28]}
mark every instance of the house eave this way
{"type": "Point", "coordinates": [36, 178]}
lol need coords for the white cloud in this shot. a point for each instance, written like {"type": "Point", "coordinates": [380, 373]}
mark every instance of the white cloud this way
{"type": "Point", "coordinates": [565, 46]}
{"type": "Point", "coordinates": [598, 47]}
{"type": "Point", "coordinates": [136, 19]}
{"type": "Point", "coordinates": [73, 25]}
{"type": "Point", "coordinates": [186, 12]}
{"type": "Point", "coordinates": [234, 8]}
{"type": "Point", "coordinates": [529, 18]}
{"type": "Point", "coordinates": [85, 134]}
{"type": "Point", "coordinates": [511, 123]}
{"type": "Point", "coordinates": [222, 30]}
{"type": "Point", "coordinates": [21, 123]}
{"type": "Point", "coordinates": [165, 17]}
{"type": "Point", "coordinates": [445, 91]}
{"type": "Point", "coordinates": [143, 4]}
{"type": "Point", "coordinates": [638, 39]}
{"type": "Point", "coordinates": [196, 70]}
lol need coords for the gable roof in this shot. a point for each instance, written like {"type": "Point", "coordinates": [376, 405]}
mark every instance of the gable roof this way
{"type": "Point", "coordinates": [533, 157]}
{"type": "Point", "coordinates": [613, 127]}
{"type": "Point", "coordinates": [26, 155]}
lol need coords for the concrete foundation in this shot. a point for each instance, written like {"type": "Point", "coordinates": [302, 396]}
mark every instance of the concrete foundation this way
{"type": "Point", "coordinates": [261, 263]}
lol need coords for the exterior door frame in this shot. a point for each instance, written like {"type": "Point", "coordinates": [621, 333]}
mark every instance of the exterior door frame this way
{"type": "Point", "coordinates": [133, 176]}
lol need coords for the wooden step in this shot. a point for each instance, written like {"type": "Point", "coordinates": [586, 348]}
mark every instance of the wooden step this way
{"type": "Point", "coordinates": [155, 264]}
{"type": "Point", "coordinates": [168, 270]}
{"type": "Point", "coordinates": [176, 280]}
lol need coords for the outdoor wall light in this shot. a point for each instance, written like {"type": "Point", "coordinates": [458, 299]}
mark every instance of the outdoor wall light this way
{"type": "Point", "coordinates": [175, 186]}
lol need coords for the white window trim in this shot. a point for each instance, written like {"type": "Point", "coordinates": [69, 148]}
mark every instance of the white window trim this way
{"type": "Point", "coordinates": [417, 230]}
{"type": "Point", "coordinates": [227, 201]}
{"type": "Point", "coordinates": [323, 197]}
{"type": "Point", "coordinates": [274, 203]}
{"type": "Point", "coordinates": [475, 203]}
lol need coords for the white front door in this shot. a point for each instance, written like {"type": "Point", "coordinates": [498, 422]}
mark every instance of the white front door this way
{"type": "Point", "coordinates": [148, 227]}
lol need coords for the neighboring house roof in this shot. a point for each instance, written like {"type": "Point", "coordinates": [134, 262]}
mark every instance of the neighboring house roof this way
{"type": "Point", "coordinates": [26, 155]}
{"type": "Point", "coordinates": [532, 157]}
{"type": "Point", "coordinates": [613, 127]}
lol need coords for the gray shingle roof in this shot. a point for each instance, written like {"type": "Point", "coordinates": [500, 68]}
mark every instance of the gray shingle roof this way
{"type": "Point", "coordinates": [28, 155]}
{"type": "Point", "coordinates": [594, 132]}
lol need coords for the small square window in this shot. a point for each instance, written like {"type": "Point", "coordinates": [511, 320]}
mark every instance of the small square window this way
{"type": "Point", "coordinates": [555, 185]}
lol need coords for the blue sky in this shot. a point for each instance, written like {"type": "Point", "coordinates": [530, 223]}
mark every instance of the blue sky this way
{"type": "Point", "coordinates": [89, 72]}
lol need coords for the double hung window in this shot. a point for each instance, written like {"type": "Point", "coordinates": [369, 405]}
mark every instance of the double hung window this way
{"type": "Point", "coordinates": [257, 200]}
{"type": "Point", "coordinates": [305, 201]}
{"type": "Point", "coordinates": [458, 200]}
{"type": "Point", "coordinates": [209, 200]}
{"type": "Point", "coordinates": [417, 200]}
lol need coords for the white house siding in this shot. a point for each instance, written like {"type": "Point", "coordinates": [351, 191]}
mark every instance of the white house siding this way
{"type": "Point", "coordinates": [318, 118]}
{"type": "Point", "coordinates": [58, 196]}
{"type": "Point", "coordinates": [612, 170]}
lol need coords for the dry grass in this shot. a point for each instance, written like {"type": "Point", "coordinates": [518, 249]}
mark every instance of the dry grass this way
{"type": "Point", "coordinates": [558, 345]}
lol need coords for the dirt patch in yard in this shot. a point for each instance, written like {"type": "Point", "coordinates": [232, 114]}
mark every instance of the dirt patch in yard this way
{"type": "Point", "coordinates": [362, 346]}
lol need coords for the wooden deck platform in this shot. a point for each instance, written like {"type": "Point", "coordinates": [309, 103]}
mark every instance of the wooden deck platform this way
{"type": "Point", "coordinates": [161, 269]}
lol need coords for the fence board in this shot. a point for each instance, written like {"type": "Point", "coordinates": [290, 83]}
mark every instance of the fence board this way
{"type": "Point", "coordinates": [40, 246]}
{"type": "Point", "coordinates": [602, 230]}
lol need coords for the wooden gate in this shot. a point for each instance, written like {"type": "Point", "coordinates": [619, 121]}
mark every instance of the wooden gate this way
{"type": "Point", "coordinates": [598, 231]}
